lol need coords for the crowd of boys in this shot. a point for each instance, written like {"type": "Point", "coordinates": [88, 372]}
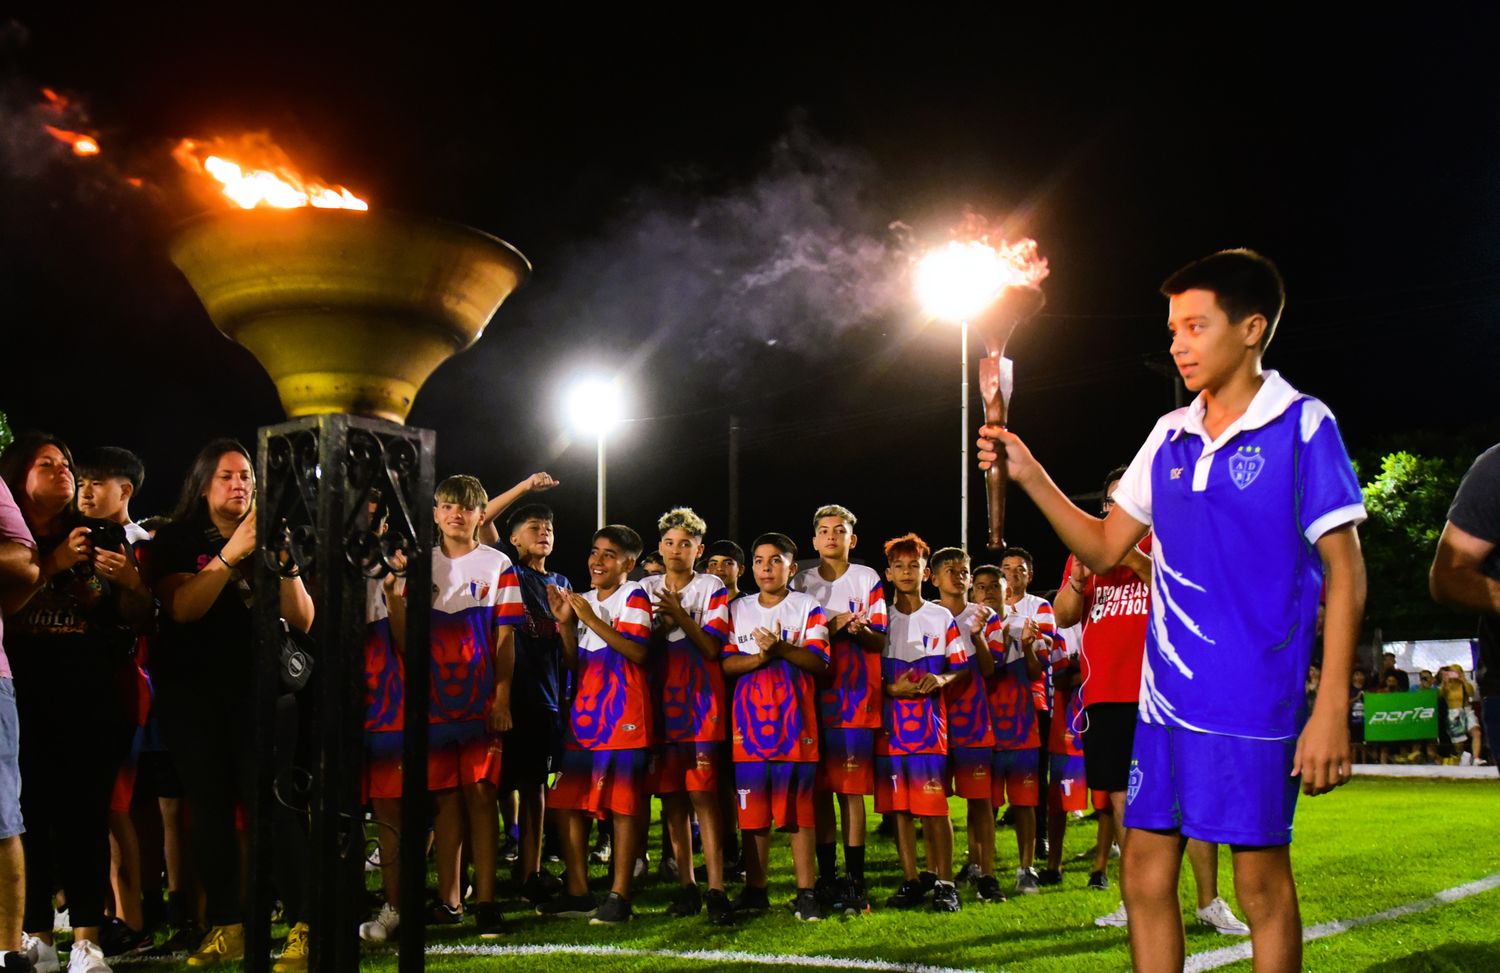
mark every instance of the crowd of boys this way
{"type": "Point", "coordinates": [786, 705]}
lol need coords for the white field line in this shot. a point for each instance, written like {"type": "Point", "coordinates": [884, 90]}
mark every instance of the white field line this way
{"type": "Point", "coordinates": [698, 955]}
{"type": "Point", "coordinates": [1215, 958]}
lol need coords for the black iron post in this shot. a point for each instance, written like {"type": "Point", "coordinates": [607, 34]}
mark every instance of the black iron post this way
{"type": "Point", "coordinates": [339, 496]}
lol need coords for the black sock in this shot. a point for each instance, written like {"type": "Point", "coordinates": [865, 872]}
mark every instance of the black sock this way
{"type": "Point", "coordinates": [854, 861]}
{"type": "Point", "coordinates": [828, 860]}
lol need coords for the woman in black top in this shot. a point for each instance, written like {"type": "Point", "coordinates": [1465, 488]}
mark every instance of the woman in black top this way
{"type": "Point", "coordinates": [203, 668]}
{"type": "Point", "coordinates": [72, 649]}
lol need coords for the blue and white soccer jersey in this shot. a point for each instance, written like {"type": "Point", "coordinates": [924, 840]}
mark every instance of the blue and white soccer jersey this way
{"type": "Point", "coordinates": [1236, 578]}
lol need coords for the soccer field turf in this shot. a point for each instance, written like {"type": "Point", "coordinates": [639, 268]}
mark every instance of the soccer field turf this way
{"type": "Point", "coordinates": [1371, 846]}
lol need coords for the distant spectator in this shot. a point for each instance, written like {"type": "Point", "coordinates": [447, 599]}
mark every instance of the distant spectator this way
{"type": "Point", "coordinates": [1388, 669]}
{"type": "Point", "coordinates": [1424, 679]}
{"type": "Point", "coordinates": [651, 563]}
{"type": "Point", "coordinates": [1310, 685]}
{"type": "Point", "coordinates": [1466, 570]}
{"type": "Point", "coordinates": [1456, 696]}
{"type": "Point", "coordinates": [1357, 714]}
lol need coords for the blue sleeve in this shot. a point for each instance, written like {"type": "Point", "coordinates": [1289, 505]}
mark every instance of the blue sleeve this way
{"type": "Point", "coordinates": [1328, 494]}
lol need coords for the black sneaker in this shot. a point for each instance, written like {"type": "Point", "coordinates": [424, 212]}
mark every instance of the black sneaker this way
{"type": "Point", "coordinates": [945, 897]}
{"type": "Point", "coordinates": [1041, 849]}
{"type": "Point", "coordinates": [510, 848]}
{"type": "Point", "coordinates": [928, 880]}
{"type": "Point", "coordinates": [908, 896]}
{"type": "Point", "coordinates": [539, 887]}
{"type": "Point", "coordinates": [968, 875]}
{"type": "Point", "coordinates": [1049, 876]}
{"type": "Point", "coordinates": [807, 907]}
{"type": "Point", "coordinates": [988, 888]}
{"type": "Point", "coordinates": [828, 889]}
{"type": "Point", "coordinates": [720, 911]}
{"type": "Point", "coordinates": [16, 962]}
{"type": "Point", "coordinates": [852, 899]}
{"type": "Point", "coordinates": [488, 922]}
{"type": "Point", "coordinates": [689, 902]}
{"type": "Point", "coordinates": [565, 906]}
{"type": "Point", "coordinates": [735, 870]}
{"type": "Point", "coordinates": [751, 899]}
{"type": "Point", "coordinates": [443, 914]}
{"type": "Point", "coordinates": [118, 939]}
{"type": "Point", "coordinates": [1098, 881]}
{"type": "Point", "coordinates": [614, 910]}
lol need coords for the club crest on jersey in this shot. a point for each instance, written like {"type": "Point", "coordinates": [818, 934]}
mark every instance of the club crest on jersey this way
{"type": "Point", "coordinates": [479, 589]}
{"type": "Point", "coordinates": [1134, 784]}
{"type": "Point", "coordinates": [1245, 465]}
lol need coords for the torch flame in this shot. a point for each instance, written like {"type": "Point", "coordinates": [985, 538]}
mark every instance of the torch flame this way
{"type": "Point", "coordinates": [277, 185]}
{"type": "Point", "coordinates": [960, 279]}
{"type": "Point", "coordinates": [82, 144]}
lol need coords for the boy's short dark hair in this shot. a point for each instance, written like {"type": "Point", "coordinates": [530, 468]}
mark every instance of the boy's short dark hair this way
{"type": "Point", "coordinates": [627, 540]}
{"type": "Point", "coordinates": [466, 491]}
{"type": "Point", "coordinates": [1243, 282]}
{"type": "Point", "coordinates": [1021, 553]}
{"type": "Point", "coordinates": [908, 544]}
{"type": "Point", "coordinates": [530, 511]}
{"type": "Point", "coordinates": [943, 555]}
{"type": "Point", "coordinates": [781, 542]}
{"type": "Point", "coordinates": [651, 557]}
{"type": "Point", "coordinates": [1118, 473]}
{"type": "Point", "coordinates": [727, 549]}
{"type": "Point", "coordinates": [104, 462]}
{"type": "Point", "coordinates": [993, 570]}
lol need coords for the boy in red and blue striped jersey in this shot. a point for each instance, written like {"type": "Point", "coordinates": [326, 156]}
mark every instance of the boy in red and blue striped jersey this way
{"type": "Point", "coordinates": [923, 654]}
{"type": "Point", "coordinates": [691, 612]}
{"type": "Point", "coordinates": [848, 700]}
{"type": "Point", "coordinates": [605, 636]}
{"type": "Point", "coordinates": [476, 606]}
{"type": "Point", "coordinates": [780, 644]}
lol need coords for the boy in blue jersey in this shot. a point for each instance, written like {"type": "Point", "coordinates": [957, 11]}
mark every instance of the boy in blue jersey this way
{"type": "Point", "coordinates": [1252, 504]}
{"type": "Point", "coordinates": [535, 740]}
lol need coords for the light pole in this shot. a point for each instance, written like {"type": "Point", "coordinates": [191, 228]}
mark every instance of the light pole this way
{"type": "Point", "coordinates": [957, 282]}
{"type": "Point", "coordinates": [594, 407]}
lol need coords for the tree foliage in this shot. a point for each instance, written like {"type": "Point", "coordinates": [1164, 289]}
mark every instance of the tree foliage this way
{"type": "Point", "coordinates": [1408, 502]}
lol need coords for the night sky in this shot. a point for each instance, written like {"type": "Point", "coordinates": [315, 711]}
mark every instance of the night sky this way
{"type": "Point", "coordinates": [691, 193]}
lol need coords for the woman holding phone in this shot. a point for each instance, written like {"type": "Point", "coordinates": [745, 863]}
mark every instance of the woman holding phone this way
{"type": "Point", "coordinates": [71, 647]}
{"type": "Point", "coordinates": [204, 577]}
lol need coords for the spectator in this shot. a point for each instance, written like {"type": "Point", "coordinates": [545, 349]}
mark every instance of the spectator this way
{"type": "Point", "coordinates": [19, 577]}
{"type": "Point", "coordinates": [1357, 715]}
{"type": "Point", "coordinates": [75, 640]}
{"type": "Point", "coordinates": [1310, 686]}
{"type": "Point", "coordinates": [1388, 669]}
{"type": "Point", "coordinates": [1465, 572]}
{"type": "Point", "coordinates": [1456, 696]}
{"type": "Point", "coordinates": [204, 681]}
{"type": "Point", "coordinates": [1424, 679]}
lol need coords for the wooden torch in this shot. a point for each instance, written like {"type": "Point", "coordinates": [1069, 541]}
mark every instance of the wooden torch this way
{"type": "Point", "coordinates": [1016, 303]}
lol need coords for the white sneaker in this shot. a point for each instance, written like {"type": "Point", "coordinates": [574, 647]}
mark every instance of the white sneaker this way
{"type": "Point", "coordinates": [641, 865]}
{"type": "Point", "coordinates": [61, 922]}
{"type": "Point", "coordinates": [43, 956]}
{"type": "Point", "coordinates": [1218, 915]}
{"type": "Point", "coordinates": [86, 957]}
{"type": "Point", "coordinates": [382, 927]}
{"type": "Point", "coordinates": [1466, 760]}
{"type": "Point", "coordinates": [1117, 918]}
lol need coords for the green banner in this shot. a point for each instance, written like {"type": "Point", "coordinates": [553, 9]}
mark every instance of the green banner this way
{"type": "Point", "coordinates": [1401, 716]}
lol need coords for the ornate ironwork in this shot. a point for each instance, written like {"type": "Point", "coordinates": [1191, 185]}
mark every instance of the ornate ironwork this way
{"type": "Point", "coordinates": [341, 496]}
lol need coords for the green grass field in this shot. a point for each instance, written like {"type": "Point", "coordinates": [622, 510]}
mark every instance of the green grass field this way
{"type": "Point", "coordinates": [1372, 845]}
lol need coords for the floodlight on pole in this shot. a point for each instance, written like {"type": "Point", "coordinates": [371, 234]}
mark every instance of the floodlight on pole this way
{"type": "Point", "coordinates": [595, 406]}
{"type": "Point", "coordinates": [955, 283]}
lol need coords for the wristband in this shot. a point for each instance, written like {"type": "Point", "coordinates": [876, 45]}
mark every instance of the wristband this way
{"type": "Point", "coordinates": [220, 556]}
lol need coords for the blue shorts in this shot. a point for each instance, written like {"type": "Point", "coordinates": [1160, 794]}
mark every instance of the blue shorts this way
{"type": "Point", "coordinates": [1231, 790]}
{"type": "Point", "coordinates": [10, 763]}
{"type": "Point", "coordinates": [846, 760]}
